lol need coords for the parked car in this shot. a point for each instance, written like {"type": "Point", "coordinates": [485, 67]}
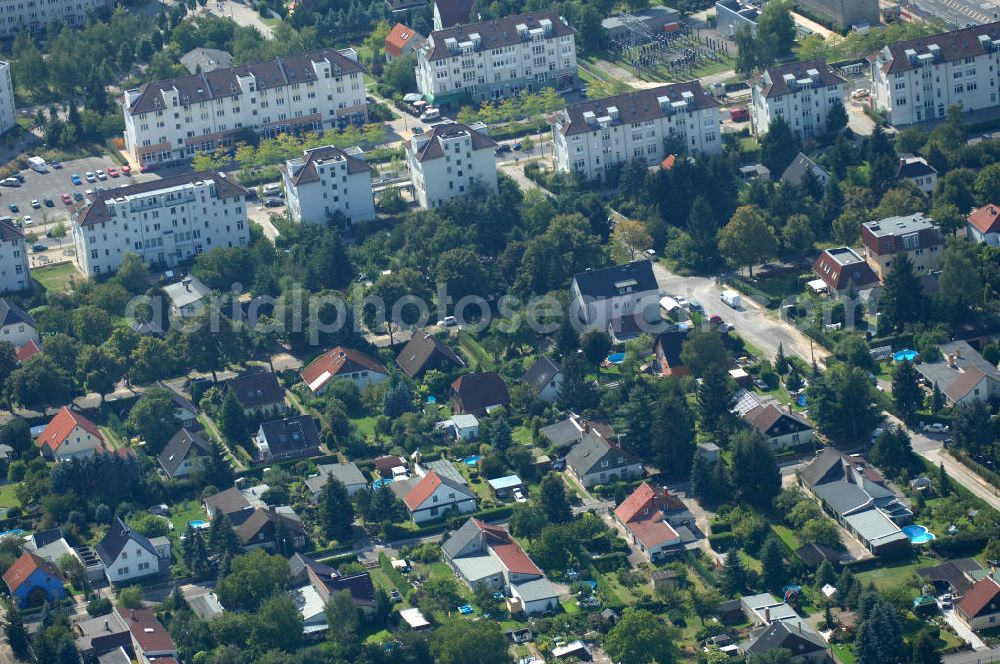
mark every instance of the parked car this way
{"type": "Point", "coordinates": [113, 172]}
{"type": "Point", "coordinates": [48, 202]}
{"type": "Point", "coordinates": [10, 182]}
{"type": "Point", "coordinates": [935, 427]}
{"type": "Point", "coordinates": [126, 170]}
{"type": "Point", "coordinates": [38, 246]}
{"type": "Point", "coordinates": [28, 221]}
{"type": "Point", "coordinates": [101, 175]}
{"type": "Point", "coordinates": [13, 207]}
{"type": "Point", "coordinates": [695, 306]}
{"type": "Point", "coordinates": [395, 596]}
{"type": "Point", "coordinates": [503, 148]}
{"type": "Point", "coordinates": [517, 146]}
{"type": "Point", "coordinates": [739, 115]}
{"type": "Point", "coordinates": [75, 179]}
{"type": "Point", "coordinates": [77, 196]}
{"type": "Point", "coordinates": [90, 176]}
{"type": "Point", "coordinates": [56, 164]}
{"type": "Point", "coordinates": [519, 496]}
{"type": "Point", "coordinates": [67, 199]}
{"type": "Point", "coordinates": [447, 321]}
{"type": "Point", "coordinates": [418, 130]}
{"type": "Point", "coordinates": [35, 203]}
{"type": "Point", "coordinates": [19, 177]}
{"type": "Point", "coordinates": [273, 202]}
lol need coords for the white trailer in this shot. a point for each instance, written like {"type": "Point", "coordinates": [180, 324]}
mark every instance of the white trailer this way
{"type": "Point", "coordinates": [731, 297]}
{"type": "Point", "coordinates": [38, 164]}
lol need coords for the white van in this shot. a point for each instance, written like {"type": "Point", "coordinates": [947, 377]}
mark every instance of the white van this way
{"type": "Point", "coordinates": [272, 189]}
{"type": "Point", "coordinates": [38, 164]}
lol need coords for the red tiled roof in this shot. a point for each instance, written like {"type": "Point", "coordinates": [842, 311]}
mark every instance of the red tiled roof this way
{"type": "Point", "coordinates": [422, 490]}
{"type": "Point", "coordinates": [28, 351]}
{"type": "Point", "coordinates": [507, 549]}
{"type": "Point", "coordinates": [986, 219]}
{"type": "Point", "coordinates": [62, 425]}
{"type": "Point", "coordinates": [668, 162]}
{"type": "Point", "coordinates": [338, 361]}
{"type": "Point", "coordinates": [398, 38]}
{"type": "Point", "coordinates": [983, 594]}
{"type": "Point", "coordinates": [147, 631]}
{"type": "Point", "coordinates": [643, 519]}
{"type": "Point", "coordinates": [24, 567]}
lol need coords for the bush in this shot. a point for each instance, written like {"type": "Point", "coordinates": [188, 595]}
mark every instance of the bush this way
{"type": "Point", "coordinates": [99, 606]}
{"type": "Point", "coordinates": [722, 542]}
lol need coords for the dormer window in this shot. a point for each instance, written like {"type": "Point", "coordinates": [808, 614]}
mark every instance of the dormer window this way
{"type": "Point", "coordinates": [604, 463]}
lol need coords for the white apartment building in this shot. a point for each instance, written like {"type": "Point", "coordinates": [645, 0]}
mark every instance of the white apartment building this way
{"type": "Point", "coordinates": [171, 120]}
{"type": "Point", "coordinates": [593, 136]}
{"type": "Point", "coordinates": [803, 93]}
{"type": "Point", "coordinates": [35, 15]}
{"type": "Point", "coordinates": [163, 221]}
{"type": "Point", "coordinates": [918, 79]}
{"type": "Point", "coordinates": [6, 97]}
{"type": "Point", "coordinates": [447, 160]}
{"type": "Point", "coordinates": [498, 58]}
{"type": "Point", "coordinates": [13, 258]}
{"type": "Point", "coordinates": [327, 180]}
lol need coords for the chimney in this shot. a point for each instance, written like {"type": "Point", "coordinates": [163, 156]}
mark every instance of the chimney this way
{"type": "Point", "coordinates": [958, 353]}
{"type": "Point", "coordinates": [107, 626]}
{"type": "Point", "coordinates": [800, 627]}
{"type": "Point", "coordinates": [767, 613]}
{"type": "Point", "coordinates": [951, 360]}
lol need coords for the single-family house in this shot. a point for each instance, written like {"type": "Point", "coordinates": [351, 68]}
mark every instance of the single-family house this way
{"type": "Point", "coordinates": [616, 291]}
{"type": "Point", "coordinates": [484, 554]}
{"type": "Point", "coordinates": [151, 641]}
{"type": "Point", "coordinates": [544, 378]}
{"type": "Point", "coordinates": [260, 529]}
{"type": "Point", "coordinates": [568, 432]}
{"type": "Point", "coordinates": [16, 325]}
{"type": "Point", "coordinates": [983, 225]}
{"type": "Point", "coordinates": [797, 169]}
{"type": "Point", "coordinates": [259, 392]}
{"type": "Point", "coordinates": [434, 496]}
{"type": "Point", "coordinates": [918, 171]}
{"type": "Point", "coordinates": [340, 362]}
{"type": "Point", "coordinates": [595, 460]}
{"type": "Point", "coordinates": [913, 236]}
{"type": "Point", "coordinates": [347, 474]}
{"type": "Point", "coordinates": [667, 349]}
{"type": "Point", "coordinates": [859, 499]}
{"type": "Point", "coordinates": [479, 393]}
{"type": "Point", "coordinates": [32, 581]}
{"type": "Point", "coordinates": [980, 608]}
{"type": "Point", "coordinates": [644, 523]}
{"type": "Point", "coordinates": [782, 427]}
{"type": "Point", "coordinates": [185, 411]}
{"type": "Point", "coordinates": [103, 634]}
{"type": "Point", "coordinates": [425, 351]}
{"type": "Point", "coordinates": [49, 545]}
{"type": "Point", "coordinates": [955, 576]}
{"type": "Point", "coordinates": [842, 269]}
{"type": "Point", "coordinates": [963, 375]}
{"type": "Point", "coordinates": [28, 351]}
{"type": "Point", "coordinates": [187, 297]}
{"type": "Point", "coordinates": [128, 555]}
{"type": "Point", "coordinates": [462, 427]}
{"type": "Point", "coordinates": [765, 609]}
{"type": "Point", "coordinates": [313, 583]}
{"type": "Point", "coordinates": [400, 41]}
{"type": "Point", "coordinates": [384, 465]}
{"type": "Point", "coordinates": [290, 438]}
{"type": "Point", "coordinates": [804, 644]}
{"type": "Point", "coordinates": [69, 435]}
{"type": "Point", "coordinates": [232, 502]}
{"type": "Point", "coordinates": [184, 453]}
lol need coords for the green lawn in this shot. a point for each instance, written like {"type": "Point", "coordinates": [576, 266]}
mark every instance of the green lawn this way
{"type": "Point", "coordinates": [55, 277]}
{"type": "Point", "coordinates": [8, 497]}
{"type": "Point", "coordinates": [786, 535]}
{"type": "Point", "coordinates": [182, 513]}
{"type": "Point", "coordinates": [364, 425]}
{"type": "Point", "coordinates": [478, 358]}
{"type": "Point", "coordinates": [569, 606]}
{"type": "Point", "coordinates": [889, 575]}
{"type": "Point", "coordinates": [844, 652]}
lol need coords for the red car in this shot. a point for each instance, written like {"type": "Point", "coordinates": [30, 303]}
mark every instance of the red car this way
{"type": "Point", "coordinates": [113, 172]}
{"type": "Point", "coordinates": [126, 170]}
{"type": "Point", "coordinates": [739, 115]}
{"type": "Point", "coordinates": [67, 199]}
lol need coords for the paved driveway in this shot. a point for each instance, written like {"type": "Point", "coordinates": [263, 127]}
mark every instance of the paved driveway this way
{"type": "Point", "coordinates": [963, 631]}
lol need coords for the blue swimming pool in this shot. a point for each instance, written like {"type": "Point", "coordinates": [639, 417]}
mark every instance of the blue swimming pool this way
{"type": "Point", "coordinates": [918, 534]}
{"type": "Point", "coordinates": [198, 523]}
{"type": "Point", "coordinates": [17, 532]}
{"type": "Point", "coordinates": [905, 354]}
{"type": "Point", "coordinates": [378, 484]}
{"type": "Point", "coordinates": [616, 358]}
{"type": "Point", "coordinates": [471, 460]}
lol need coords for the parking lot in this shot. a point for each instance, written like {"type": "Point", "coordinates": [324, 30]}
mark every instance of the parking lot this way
{"type": "Point", "coordinates": [53, 185]}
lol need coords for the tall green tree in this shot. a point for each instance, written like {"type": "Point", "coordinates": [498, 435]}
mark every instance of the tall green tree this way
{"type": "Point", "coordinates": [232, 419]}
{"type": "Point", "coordinates": [882, 161]}
{"type": "Point", "coordinates": [754, 471]}
{"type": "Point", "coordinates": [460, 641]}
{"type": "Point", "coordinates": [779, 146]}
{"type": "Point", "coordinates": [843, 403]}
{"type": "Point", "coordinates": [775, 31]}
{"type": "Point", "coordinates": [734, 579]}
{"type": "Point", "coordinates": [773, 571]}
{"type": "Point", "coordinates": [713, 398]}
{"type": "Point", "coordinates": [336, 513]}
{"type": "Point", "coordinates": [747, 239]}
{"type": "Point", "coordinates": [16, 633]}
{"type": "Point", "coordinates": [154, 418]}
{"type": "Point", "coordinates": [639, 638]}
{"type": "Point", "coordinates": [906, 390]}
{"type": "Point", "coordinates": [576, 392]}
{"type": "Point", "coordinates": [553, 499]}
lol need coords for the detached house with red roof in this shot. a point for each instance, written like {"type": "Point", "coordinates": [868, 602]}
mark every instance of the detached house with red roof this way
{"type": "Point", "coordinates": [484, 554]}
{"type": "Point", "coordinates": [433, 496]}
{"type": "Point", "coordinates": [657, 522]}
{"type": "Point", "coordinates": [400, 41]}
{"type": "Point", "coordinates": [150, 639]}
{"type": "Point", "coordinates": [340, 362]}
{"type": "Point", "coordinates": [69, 435]}
{"type": "Point", "coordinates": [32, 581]}
{"type": "Point", "coordinates": [980, 608]}
{"type": "Point", "coordinates": [984, 225]}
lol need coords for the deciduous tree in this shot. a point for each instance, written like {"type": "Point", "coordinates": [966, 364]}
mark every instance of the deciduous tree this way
{"type": "Point", "coordinates": [747, 239]}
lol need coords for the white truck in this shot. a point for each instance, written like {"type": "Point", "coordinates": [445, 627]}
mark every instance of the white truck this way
{"type": "Point", "coordinates": [731, 297]}
{"type": "Point", "coordinates": [38, 164]}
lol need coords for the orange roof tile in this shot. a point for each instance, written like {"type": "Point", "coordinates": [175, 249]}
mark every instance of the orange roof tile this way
{"type": "Point", "coordinates": [336, 362]}
{"type": "Point", "coordinates": [62, 426]}
{"type": "Point", "coordinates": [986, 219]}
{"type": "Point", "coordinates": [422, 490]}
{"type": "Point", "coordinates": [24, 567]}
{"type": "Point", "coordinates": [982, 595]}
{"type": "Point", "coordinates": [632, 507]}
{"type": "Point", "coordinates": [507, 549]}
{"type": "Point", "coordinates": [28, 350]}
{"type": "Point", "coordinates": [642, 518]}
{"type": "Point", "coordinates": [397, 39]}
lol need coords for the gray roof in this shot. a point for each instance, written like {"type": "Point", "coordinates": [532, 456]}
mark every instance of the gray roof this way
{"type": "Point", "coordinates": [875, 527]}
{"type": "Point", "coordinates": [474, 568]}
{"type": "Point", "coordinates": [796, 638]}
{"type": "Point", "coordinates": [446, 470]}
{"type": "Point", "coordinates": [586, 456]}
{"type": "Point", "coordinates": [11, 314]}
{"type": "Point", "coordinates": [496, 33]}
{"type": "Point", "coordinates": [536, 589]}
{"type": "Point", "coordinates": [773, 84]}
{"type": "Point", "coordinates": [117, 538]}
{"type": "Point", "coordinates": [563, 433]}
{"type": "Point", "coordinates": [347, 473]}
{"type": "Point", "coordinates": [187, 291]}
{"type": "Point", "coordinates": [540, 374]}
{"type": "Point", "coordinates": [461, 538]}
{"type": "Point", "coordinates": [183, 443]}
{"type": "Point", "coordinates": [633, 107]}
{"type": "Point", "coordinates": [604, 282]}
{"type": "Point", "coordinates": [793, 174]}
{"type": "Point", "coordinates": [969, 370]}
{"type": "Point", "coordinates": [200, 60]}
